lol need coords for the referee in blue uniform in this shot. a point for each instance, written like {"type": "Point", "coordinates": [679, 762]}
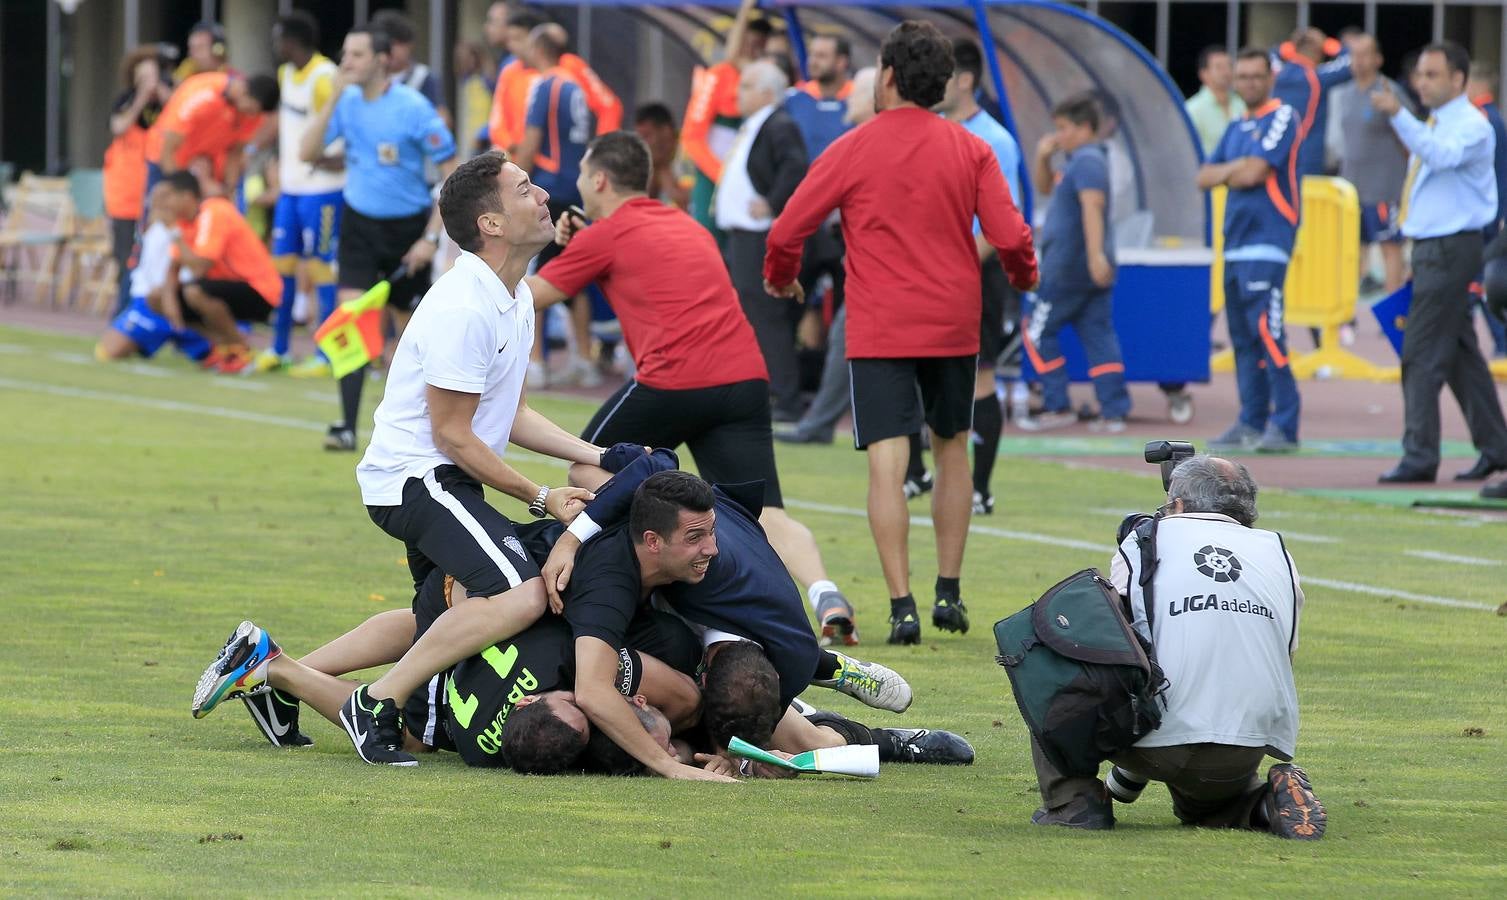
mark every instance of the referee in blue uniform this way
{"type": "Point", "coordinates": [389, 131]}
{"type": "Point", "coordinates": [1449, 197]}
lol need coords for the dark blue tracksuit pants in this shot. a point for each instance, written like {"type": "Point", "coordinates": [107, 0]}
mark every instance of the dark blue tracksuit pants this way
{"type": "Point", "coordinates": [1254, 310]}
{"type": "Point", "coordinates": [1090, 313]}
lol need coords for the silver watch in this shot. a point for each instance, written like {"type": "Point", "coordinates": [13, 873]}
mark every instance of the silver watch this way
{"type": "Point", "coordinates": [537, 509]}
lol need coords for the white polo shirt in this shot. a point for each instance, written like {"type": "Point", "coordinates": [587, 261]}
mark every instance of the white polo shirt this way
{"type": "Point", "coordinates": [469, 334]}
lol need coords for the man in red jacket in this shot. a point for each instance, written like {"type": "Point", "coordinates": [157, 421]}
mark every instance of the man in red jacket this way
{"type": "Point", "coordinates": [909, 185]}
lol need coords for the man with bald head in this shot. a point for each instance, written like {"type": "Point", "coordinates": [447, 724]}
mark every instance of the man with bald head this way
{"type": "Point", "coordinates": [1304, 83]}
{"type": "Point", "coordinates": [767, 160]}
{"type": "Point", "coordinates": [1220, 611]}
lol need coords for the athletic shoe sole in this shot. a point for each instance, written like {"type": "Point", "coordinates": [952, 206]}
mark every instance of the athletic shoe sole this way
{"type": "Point", "coordinates": [1292, 809]}
{"type": "Point", "coordinates": [225, 678]}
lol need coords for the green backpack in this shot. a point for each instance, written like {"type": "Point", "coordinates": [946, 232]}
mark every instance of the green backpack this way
{"type": "Point", "coordinates": [1088, 687]}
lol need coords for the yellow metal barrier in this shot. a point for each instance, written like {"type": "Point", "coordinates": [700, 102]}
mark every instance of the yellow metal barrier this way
{"type": "Point", "coordinates": [1322, 280]}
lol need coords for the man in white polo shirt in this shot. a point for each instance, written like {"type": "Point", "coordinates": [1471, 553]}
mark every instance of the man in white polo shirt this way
{"type": "Point", "coordinates": [1222, 615]}
{"type": "Point", "coordinates": [454, 401]}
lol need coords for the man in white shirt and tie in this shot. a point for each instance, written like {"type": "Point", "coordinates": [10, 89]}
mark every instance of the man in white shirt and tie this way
{"type": "Point", "coordinates": [767, 160]}
{"type": "Point", "coordinates": [1449, 196]}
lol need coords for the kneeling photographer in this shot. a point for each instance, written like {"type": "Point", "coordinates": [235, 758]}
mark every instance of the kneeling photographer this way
{"type": "Point", "coordinates": [1219, 609]}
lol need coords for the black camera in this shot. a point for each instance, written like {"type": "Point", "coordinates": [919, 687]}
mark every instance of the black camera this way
{"type": "Point", "coordinates": [1168, 454]}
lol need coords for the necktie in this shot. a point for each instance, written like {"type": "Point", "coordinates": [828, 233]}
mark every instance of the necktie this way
{"type": "Point", "coordinates": [1407, 184]}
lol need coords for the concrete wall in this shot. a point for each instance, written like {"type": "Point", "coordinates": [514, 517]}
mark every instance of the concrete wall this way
{"type": "Point", "coordinates": [95, 32]}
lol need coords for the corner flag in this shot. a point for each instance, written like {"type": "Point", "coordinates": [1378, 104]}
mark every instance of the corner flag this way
{"type": "Point", "coordinates": [352, 336]}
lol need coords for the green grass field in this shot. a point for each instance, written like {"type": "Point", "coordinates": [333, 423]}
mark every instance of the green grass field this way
{"type": "Point", "coordinates": [148, 508]}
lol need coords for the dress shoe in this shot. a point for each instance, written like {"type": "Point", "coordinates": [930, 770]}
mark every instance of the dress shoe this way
{"type": "Point", "coordinates": [1403, 475]}
{"type": "Point", "coordinates": [1482, 470]}
{"type": "Point", "coordinates": [1496, 491]}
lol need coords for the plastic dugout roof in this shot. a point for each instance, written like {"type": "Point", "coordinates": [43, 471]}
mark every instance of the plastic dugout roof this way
{"type": "Point", "coordinates": [1041, 52]}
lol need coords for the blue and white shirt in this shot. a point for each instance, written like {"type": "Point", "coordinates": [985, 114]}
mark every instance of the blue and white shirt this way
{"type": "Point", "coordinates": [1261, 222]}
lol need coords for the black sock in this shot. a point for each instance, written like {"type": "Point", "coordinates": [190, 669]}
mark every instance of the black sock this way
{"type": "Point", "coordinates": [917, 467]}
{"type": "Point", "coordinates": [826, 665]}
{"type": "Point", "coordinates": [849, 730]}
{"type": "Point", "coordinates": [988, 421]}
{"type": "Point", "coordinates": [350, 397]}
{"type": "Point", "coordinates": [948, 589]}
{"type": "Point", "coordinates": [901, 606]}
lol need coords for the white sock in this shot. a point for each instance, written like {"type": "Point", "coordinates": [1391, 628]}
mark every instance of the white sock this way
{"type": "Point", "coordinates": [817, 588]}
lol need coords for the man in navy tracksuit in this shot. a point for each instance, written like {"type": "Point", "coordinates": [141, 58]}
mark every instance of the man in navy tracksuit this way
{"type": "Point", "coordinates": [1255, 161]}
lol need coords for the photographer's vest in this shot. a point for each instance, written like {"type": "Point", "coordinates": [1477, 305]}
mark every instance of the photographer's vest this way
{"type": "Point", "coordinates": [1225, 626]}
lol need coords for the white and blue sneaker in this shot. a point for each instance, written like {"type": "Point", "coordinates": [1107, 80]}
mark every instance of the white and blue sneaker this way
{"type": "Point", "coordinates": [240, 668]}
{"type": "Point", "coordinates": [869, 683]}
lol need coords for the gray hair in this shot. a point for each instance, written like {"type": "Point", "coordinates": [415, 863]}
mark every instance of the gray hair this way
{"type": "Point", "coordinates": [1209, 484]}
{"type": "Point", "coordinates": [767, 76]}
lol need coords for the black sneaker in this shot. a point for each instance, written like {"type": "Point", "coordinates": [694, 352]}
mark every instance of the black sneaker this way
{"type": "Point", "coordinates": [276, 714]}
{"type": "Point", "coordinates": [950, 615]}
{"type": "Point", "coordinates": [905, 628]}
{"type": "Point", "coordinates": [1292, 811]}
{"type": "Point", "coordinates": [918, 485]}
{"type": "Point", "coordinates": [1090, 812]}
{"type": "Point", "coordinates": [376, 728]}
{"type": "Point", "coordinates": [340, 439]}
{"type": "Point", "coordinates": [922, 745]}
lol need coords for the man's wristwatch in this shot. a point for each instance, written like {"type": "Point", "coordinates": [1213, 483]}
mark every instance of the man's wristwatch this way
{"type": "Point", "coordinates": [537, 509]}
{"type": "Point", "coordinates": [432, 237]}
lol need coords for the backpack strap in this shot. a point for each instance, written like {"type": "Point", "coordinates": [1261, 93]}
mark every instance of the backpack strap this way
{"type": "Point", "coordinates": [1145, 533]}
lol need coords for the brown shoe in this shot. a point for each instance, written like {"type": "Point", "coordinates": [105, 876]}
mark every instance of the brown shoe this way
{"type": "Point", "coordinates": [1292, 811]}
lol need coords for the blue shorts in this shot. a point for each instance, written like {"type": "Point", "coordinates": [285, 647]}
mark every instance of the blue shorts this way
{"type": "Point", "coordinates": [149, 330]}
{"type": "Point", "coordinates": [307, 225]}
{"type": "Point", "coordinates": [1378, 224]}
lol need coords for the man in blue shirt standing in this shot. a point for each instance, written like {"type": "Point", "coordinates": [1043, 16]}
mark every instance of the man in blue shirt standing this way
{"type": "Point", "coordinates": [1001, 303]}
{"type": "Point", "coordinates": [1077, 271]}
{"type": "Point", "coordinates": [389, 131]}
{"type": "Point", "coordinates": [1449, 198]}
{"type": "Point", "coordinates": [1255, 161]}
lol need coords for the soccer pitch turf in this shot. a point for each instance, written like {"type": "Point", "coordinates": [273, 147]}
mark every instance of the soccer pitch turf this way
{"type": "Point", "coordinates": [148, 508]}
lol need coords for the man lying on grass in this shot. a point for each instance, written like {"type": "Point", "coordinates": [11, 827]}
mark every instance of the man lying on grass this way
{"type": "Point", "coordinates": [514, 704]}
